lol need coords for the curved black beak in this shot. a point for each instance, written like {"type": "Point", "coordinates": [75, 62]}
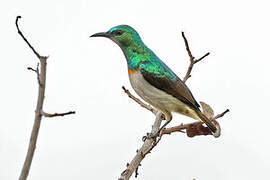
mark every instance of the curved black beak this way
{"type": "Point", "coordinates": [101, 34]}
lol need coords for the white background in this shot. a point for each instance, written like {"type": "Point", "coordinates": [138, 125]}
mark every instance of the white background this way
{"type": "Point", "coordinates": [86, 75]}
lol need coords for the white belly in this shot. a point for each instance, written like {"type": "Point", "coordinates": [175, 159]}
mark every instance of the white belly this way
{"type": "Point", "coordinates": [159, 99]}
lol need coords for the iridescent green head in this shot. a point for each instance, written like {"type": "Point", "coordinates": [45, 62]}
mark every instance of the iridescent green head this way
{"type": "Point", "coordinates": [123, 35]}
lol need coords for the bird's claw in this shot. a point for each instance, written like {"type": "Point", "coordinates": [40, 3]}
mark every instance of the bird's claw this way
{"type": "Point", "coordinates": [163, 117]}
{"type": "Point", "coordinates": [154, 136]}
{"type": "Point", "coordinates": [144, 138]}
{"type": "Point", "coordinates": [150, 136]}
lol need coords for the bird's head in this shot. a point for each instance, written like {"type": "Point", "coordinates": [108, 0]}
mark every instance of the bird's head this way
{"type": "Point", "coordinates": [123, 35]}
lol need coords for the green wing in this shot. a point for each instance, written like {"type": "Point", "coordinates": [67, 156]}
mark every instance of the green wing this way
{"type": "Point", "coordinates": [163, 78]}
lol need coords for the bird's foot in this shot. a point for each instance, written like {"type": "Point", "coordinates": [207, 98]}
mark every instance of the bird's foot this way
{"type": "Point", "coordinates": [163, 117]}
{"type": "Point", "coordinates": [150, 136]}
{"type": "Point", "coordinates": [156, 134]}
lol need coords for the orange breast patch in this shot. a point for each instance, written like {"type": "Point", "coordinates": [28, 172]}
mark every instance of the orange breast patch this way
{"type": "Point", "coordinates": [130, 71]}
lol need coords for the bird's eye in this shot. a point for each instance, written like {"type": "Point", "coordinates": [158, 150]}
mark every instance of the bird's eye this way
{"type": "Point", "coordinates": [118, 32]}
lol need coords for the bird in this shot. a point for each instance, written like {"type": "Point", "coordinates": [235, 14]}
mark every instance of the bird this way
{"type": "Point", "coordinates": [153, 80]}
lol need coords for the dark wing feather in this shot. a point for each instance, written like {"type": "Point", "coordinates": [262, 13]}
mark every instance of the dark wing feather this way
{"type": "Point", "coordinates": [175, 87]}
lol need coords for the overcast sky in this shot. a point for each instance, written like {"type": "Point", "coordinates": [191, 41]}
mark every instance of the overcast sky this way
{"type": "Point", "coordinates": [86, 75]}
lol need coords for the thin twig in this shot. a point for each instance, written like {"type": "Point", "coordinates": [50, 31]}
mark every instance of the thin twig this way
{"type": "Point", "coordinates": [191, 58]}
{"type": "Point", "coordinates": [21, 34]}
{"type": "Point", "coordinates": [222, 114]}
{"type": "Point", "coordinates": [198, 60]}
{"type": "Point", "coordinates": [57, 114]}
{"type": "Point", "coordinates": [37, 72]}
{"type": "Point", "coordinates": [148, 107]}
{"type": "Point", "coordinates": [187, 47]}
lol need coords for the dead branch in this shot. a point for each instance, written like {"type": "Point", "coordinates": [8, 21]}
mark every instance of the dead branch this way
{"type": "Point", "coordinates": [222, 114]}
{"type": "Point", "coordinates": [133, 165]}
{"type": "Point", "coordinates": [41, 77]}
{"type": "Point", "coordinates": [191, 58]}
{"type": "Point", "coordinates": [57, 114]}
{"type": "Point", "coordinates": [191, 129]}
{"type": "Point", "coordinates": [25, 40]}
{"type": "Point", "coordinates": [37, 72]}
{"type": "Point", "coordinates": [139, 101]}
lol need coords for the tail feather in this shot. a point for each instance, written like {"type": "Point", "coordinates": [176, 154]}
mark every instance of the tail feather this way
{"type": "Point", "coordinates": [210, 124]}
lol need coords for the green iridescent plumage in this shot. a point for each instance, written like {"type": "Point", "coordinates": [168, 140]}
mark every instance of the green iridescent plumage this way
{"type": "Point", "coordinates": [152, 79]}
{"type": "Point", "coordinates": [138, 55]}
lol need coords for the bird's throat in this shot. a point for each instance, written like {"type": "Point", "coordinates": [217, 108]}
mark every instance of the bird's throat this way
{"type": "Point", "coordinates": [135, 55]}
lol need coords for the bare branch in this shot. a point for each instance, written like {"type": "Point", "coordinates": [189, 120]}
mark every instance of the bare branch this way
{"type": "Point", "coordinates": [222, 114]}
{"type": "Point", "coordinates": [187, 47]}
{"type": "Point", "coordinates": [191, 58]}
{"type": "Point", "coordinates": [21, 34]}
{"type": "Point", "coordinates": [41, 92]}
{"type": "Point", "coordinates": [37, 72]}
{"type": "Point", "coordinates": [153, 144]}
{"type": "Point", "coordinates": [36, 126]}
{"type": "Point", "coordinates": [148, 107]}
{"type": "Point", "coordinates": [57, 114]}
{"type": "Point", "coordinates": [41, 77]}
{"type": "Point", "coordinates": [193, 129]}
{"type": "Point", "coordinates": [198, 60]}
{"type": "Point", "coordinates": [133, 165]}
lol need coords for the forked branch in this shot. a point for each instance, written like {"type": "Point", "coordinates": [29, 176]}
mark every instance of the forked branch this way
{"type": "Point", "coordinates": [37, 72]}
{"type": "Point", "coordinates": [41, 78]}
{"type": "Point", "coordinates": [191, 59]}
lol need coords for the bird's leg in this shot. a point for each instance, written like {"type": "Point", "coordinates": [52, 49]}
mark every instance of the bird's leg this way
{"type": "Point", "coordinates": [154, 136]}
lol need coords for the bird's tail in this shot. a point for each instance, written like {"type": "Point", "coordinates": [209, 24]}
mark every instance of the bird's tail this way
{"type": "Point", "coordinates": [215, 131]}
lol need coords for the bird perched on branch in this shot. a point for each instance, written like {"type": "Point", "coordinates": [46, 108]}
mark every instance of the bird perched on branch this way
{"type": "Point", "coordinates": [153, 80]}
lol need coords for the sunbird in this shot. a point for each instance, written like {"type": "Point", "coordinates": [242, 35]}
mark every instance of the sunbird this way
{"type": "Point", "coordinates": [153, 80]}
